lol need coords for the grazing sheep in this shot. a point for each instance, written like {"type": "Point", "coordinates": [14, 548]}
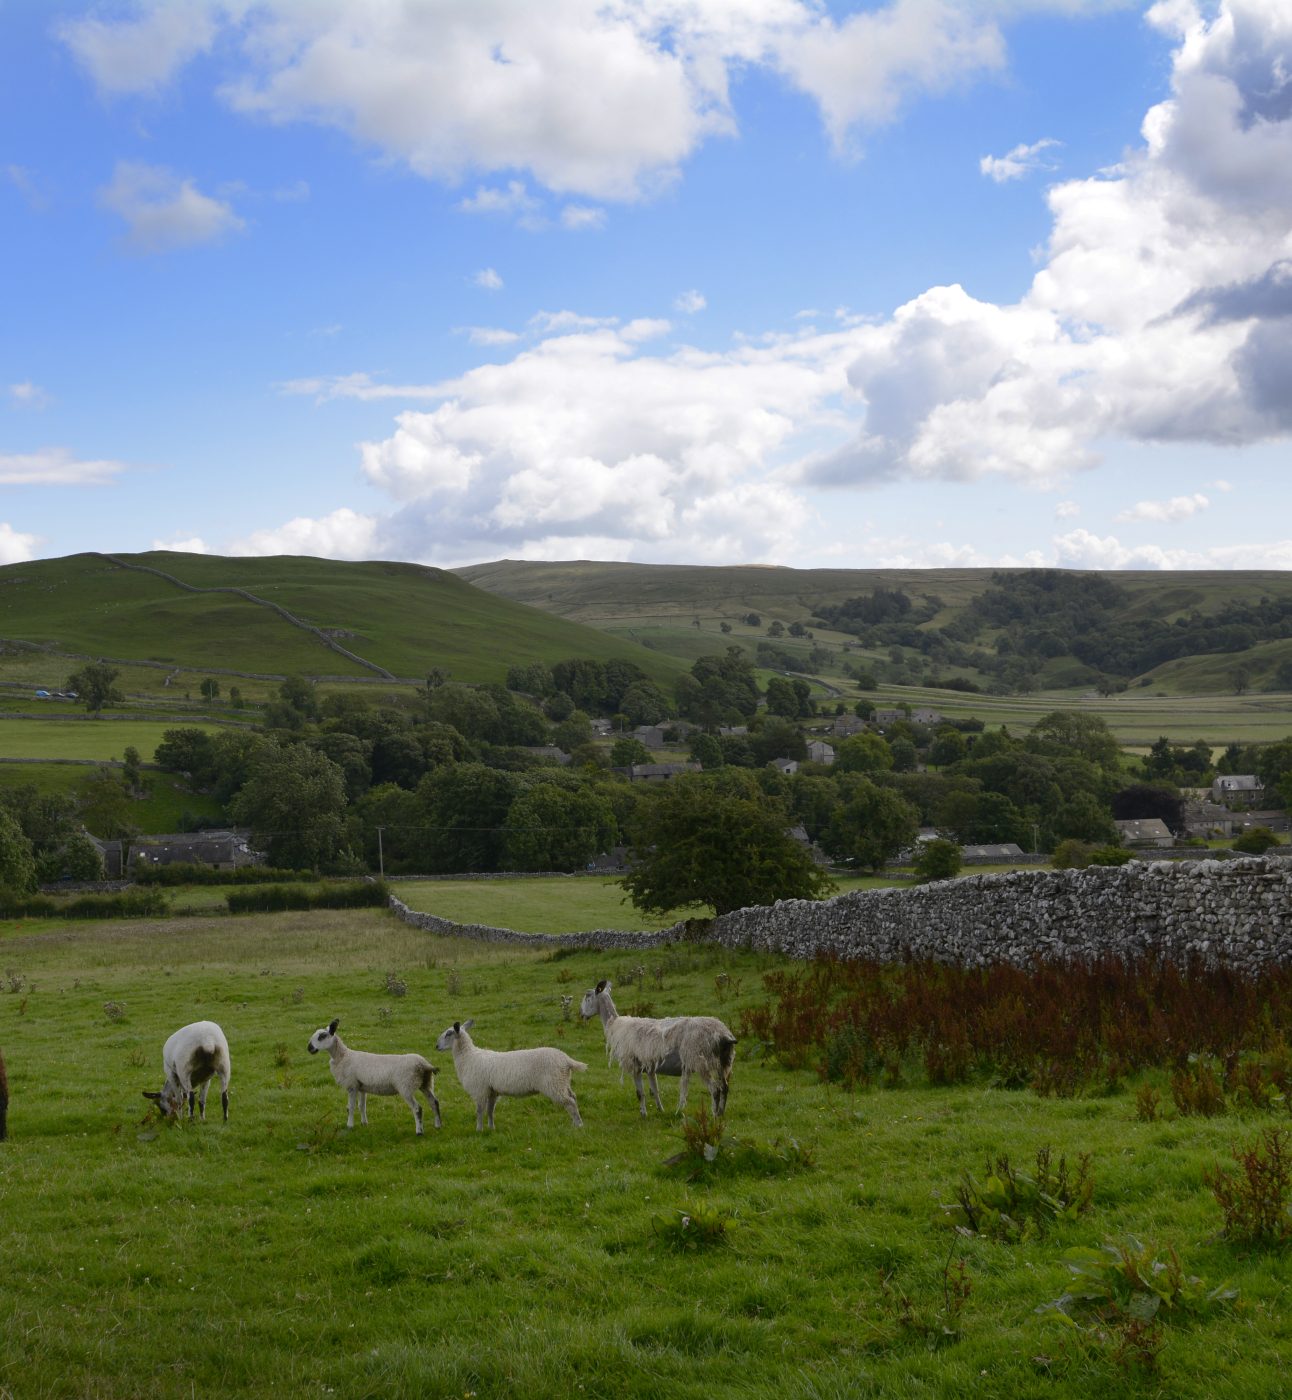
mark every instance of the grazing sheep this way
{"type": "Point", "coordinates": [635, 1043]}
{"type": "Point", "coordinates": [362, 1073]}
{"type": "Point", "coordinates": [700, 1045]}
{"type": "Point", "coordinates": [193, 1056]}
{"type": "Point", "coordinates": [488, 1075]}
{"type": "Point", "coordinates": [4, 1102]}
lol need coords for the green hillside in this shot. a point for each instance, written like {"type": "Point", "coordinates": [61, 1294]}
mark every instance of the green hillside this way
{"type": "Point", "coordinates": [178, 610]}
{"type": "Point", "coordinates": [1182, 633]}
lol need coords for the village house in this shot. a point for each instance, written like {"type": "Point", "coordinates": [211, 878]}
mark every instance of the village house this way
{"type": "Point", "coordinates": [820, 752]}
{"type": "Point", "coordinates": [652, 735]}
{"type": "Point", "coordinates": [845, 726]}
{"type": "Point", "coordinates": [1238, 790]}
{"type": "Point", "coordinates": [995, 853]}
{"type": "Point", "coordinates": [656, 772]}
{"type": "Point", "coordinates": [1145, 833]}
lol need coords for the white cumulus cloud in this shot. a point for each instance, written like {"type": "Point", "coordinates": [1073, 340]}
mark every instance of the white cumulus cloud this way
{"type": "Point", "coordinates": [16, 547]}
{"type": "Point", "coordinates": [1164, 512]}
{"type": "Point", "coordinates": [690, 302]}
{"type": "Point", "coordinates": [1020, 161]}
{"type": "Point", "coordinates": [488, 279]}
{"type": "Point", "coordinates": [164, 211]}
{"type": "Point", "coordinates": [193, 545]}
{"type": "Point", "coordinates": [344, 534]}
{"type": "Point", "coordinates": [140, 54]}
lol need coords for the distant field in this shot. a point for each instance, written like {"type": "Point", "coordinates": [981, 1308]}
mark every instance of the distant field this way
{"type": "Point", "coordinates": [85, 738]}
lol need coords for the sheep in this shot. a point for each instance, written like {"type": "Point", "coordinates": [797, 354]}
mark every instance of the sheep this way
{"type": "Point", "coordinates": [361, 1073]}
{"type": "Point", "coordinates": [488, 1075]}
{"type": "Point", "coordinates": [193, 1056]}
{"type": "Point", "coordinates": [635, 1043]}
{"type": "Point", "coordinates": [4, 1102]}
{"type": "Point", "coordinates": [700, 1045]}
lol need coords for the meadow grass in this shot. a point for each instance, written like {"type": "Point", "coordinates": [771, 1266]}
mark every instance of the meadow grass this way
{"type": "Point", "coordinates": [86, 738]}
{"type": "Point", "coordinates": [568, 904]}
{"type": "Point", "coordinates": [281, 1254]}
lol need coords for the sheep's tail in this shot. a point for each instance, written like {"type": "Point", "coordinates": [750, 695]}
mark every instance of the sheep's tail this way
{"type": "Point", "coordinates": [428, 1079]}
{"type": "Point", "coordinates": [726, 1055]}
{"type": "Point", "coordinates": [578, 1064]}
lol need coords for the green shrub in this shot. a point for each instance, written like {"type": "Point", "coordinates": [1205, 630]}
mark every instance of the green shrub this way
{"type": "Point", "coordinates": [182, 873]}
{"type": "Point", "coordinates": [1111, 855]}
{"type": "Point", "coordinates": [1071, 855]}
{"type": "Point", "coordinates": [130, 904]}
{"type": "Point", "coordinates": [14, 905]}
{"type": "Point", "coordinates": [1256, 841]}
{"type": "Point", "coordinates": [937, 860]}
{"type": "Point", "coordinates": [268, 899]}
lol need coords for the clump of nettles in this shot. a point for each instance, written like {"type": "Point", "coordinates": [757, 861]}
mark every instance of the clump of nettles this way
{"type": "Point", "coordinates": [1256, 1200]}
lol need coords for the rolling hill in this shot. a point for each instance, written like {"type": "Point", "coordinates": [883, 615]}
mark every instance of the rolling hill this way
{"type": "Point", "coordinates": [283, 615]}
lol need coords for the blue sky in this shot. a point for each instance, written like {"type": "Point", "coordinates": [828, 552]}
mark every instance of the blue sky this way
{"type": "Point", "coordinates": [910, 282]}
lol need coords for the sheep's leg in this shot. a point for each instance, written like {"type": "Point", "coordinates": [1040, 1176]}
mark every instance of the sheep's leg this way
{"type": "Point", "coordinates": [641, 1093]}
{"type": "Point", "coordinates": [201, 1098]}
{"type": "Point", "coordinates": [349, 1119]}
{"type": "Point", "coordinates": [363, 1108]}
{"type": "Point", "coordinates": [435, 1106]}
{"type": "Point", "coordinates": [683, 1080]}
{"type": "Point", "coordinates": [224, 1097]}
{"type": "Point", "coordinates": [191, 1097]}
{"type": "Point", "coordinates": [492, 1101]}
{"type": "Point", "coordinates": [719, 1092]}
{"type": "Point", "coordinates": [481, 1104]}
{"type": "Point", "coordinates": [654, 1089]}
{"type": "Point", "coordinates": [411, 1100]}
{"type": "Point", "coordinates": [572, 1107]}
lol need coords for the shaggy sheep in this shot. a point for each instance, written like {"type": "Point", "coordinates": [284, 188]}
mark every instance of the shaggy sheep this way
{"type": "Point", "coordinates": [635, 1043]}
{"type": "Point", "coordinates": [193, 1056]}
{"type": "Point", "coordinates": [488, 1075]}
{"type": "Point", "coordinates": [362, 1073]}
{"type": "Point", "coordinates": [4, 1102]}
{"type": "Point", "coordinates": [700, 1045]}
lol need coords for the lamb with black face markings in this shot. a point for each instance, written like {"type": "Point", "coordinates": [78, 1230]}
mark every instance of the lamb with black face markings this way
{"type": "Point", "coordinates": [362, 1072]}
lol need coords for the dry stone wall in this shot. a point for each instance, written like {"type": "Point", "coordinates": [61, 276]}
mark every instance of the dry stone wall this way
{"type": "Point", "coordinates": [1235, 912]}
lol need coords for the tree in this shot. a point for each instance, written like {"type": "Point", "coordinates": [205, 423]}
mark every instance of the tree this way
{"type": "Point", "coordinates": [210, 688]}
{"type": "Point", "coordinates": [948, 746]}
{"type": "Point", "coordinates": [776, 629]}
{"type": "Point", "coordinates": [706, 751]}
{"type": "Point", "coordinates": [436, 677]}
{"type": "Point", "coordinates": [551, 828]}
{"type": "Point", "coordinates": [103, 805]}
{"type": "Point", "coordinates": [294, 802]}
{"type": "Point", "coordinates": [1255, 841]}
{"type": "Point", "coordinates": [77, 859]}
{"type": "Point", "coordinates": [871, 827]}
{"type": "Point", "coordinates": [130, 770]}
{"type": "Point", "coordinates": [17, 863]}
{"type": "Point", "coordinates": [464, 811]}
{"type": "Point", "coordinates": [1145, 800]}
{"type": "Point", "coordinates": [782, 699]}
{"type": "Point", "coordinates": [94, 685]}
{"type": "Point", "coordinates": [904, 755]}
{"type": "Point", "coordinates": [1065, 732]}
{"type": "Point", "coordinates": [863, 753]}
{"type": "Point", "coordinates": [644, 703]}
{"type": "Point", "coordinates": [777, 738]}
{"type": "Point", "coordinates": [937, 860]}
{"type": "Point", "coordinates": [625, 752]}
{"type": "Point", "coordinates": [574, 730]}
{"type": "Point", "coordinates": [694, 844]}
{"type": "Point", "coordinates": [724, 627]}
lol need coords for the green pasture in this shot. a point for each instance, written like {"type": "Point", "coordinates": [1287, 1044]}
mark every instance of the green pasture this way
{"type": "Point", "coordinates": [280, 1254]}
{"type": "Point", "coordinates": [86, 738]}
{"type": "Point", "coordinates": [566, 903]}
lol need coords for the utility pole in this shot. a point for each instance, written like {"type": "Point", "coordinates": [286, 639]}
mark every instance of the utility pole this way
{"type": "Point", "coordinates": [381, 859]}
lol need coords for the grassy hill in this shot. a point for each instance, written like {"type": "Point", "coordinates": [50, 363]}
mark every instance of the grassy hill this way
{"type": "Point", "coordinates": [276, 616]}
{"type": "Point", "coordinates": [673, 607]}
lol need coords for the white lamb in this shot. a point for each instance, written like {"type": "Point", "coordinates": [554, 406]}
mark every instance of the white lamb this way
{"type": "Point", "coordinates": [362, 1073]}
{"type": "Point", "coordinates": [635, 1043]}
{"type": "Point", "coordinates": [699, 1045]}
{"type": "Point", "coordinates": [193, 1056]}
{"type": "Point", "coordinates": [488, 1075]}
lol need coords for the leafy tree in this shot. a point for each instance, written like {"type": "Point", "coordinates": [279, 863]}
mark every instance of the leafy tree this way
{"type": "Point", "coordinates": [473, 713]}
{"type": "Point", "coordinates": [1085, 818]}
{"type": "Point", "coordinates": [353, 756]}
{"type": "Point", "coordinates": [94, 684]}
{"type": "Point", "coordinates": [573, 731]}
{"type": "Point", "coordinates": [1274, 762]}
{"type": "Point", "coordinates": [724, 627]}
{"type": "Point", "coordinates": [210, 688]}
{"type": "Point", "coordinates": [298, 693]}
{"type": "Point", "coordinates": [949, 746]}
{"type": "Point", "coordinates": [131, 773]}
{"type": "Point", "coordinates": [863, 753]}
{"type": "Point", "coordinates": [235, 696]}
{"type": "Point", "coordinates": [17, 863]}
{"type": "Point", "coordinates": [782, 699]}
{"type": "Point", "coordinates": [464, 811]}
{"type": "Point", "coordinates": [103, 805]}
{"type": "Point", "coordinates": [436, 677]}
{"type": "Point", "coordinates": [694, 844]}
{"type": "Point", "coordinates": [400, 816]}
{"type": "Point", "coordinates": [550, 828]}
{"type": "Point", "coordinates": [644, 703]}
{"type": "Point", "coordinates": [871, 827]}
{"type": "Point", "coordinates": [534, 679]}
{"type": "Point", "coordinates": [1143, 801]}
{"type": "Point", "coordinates": [1066, 732]}
{"type": "Point", "coordinates": [776, 629]}
{"type": "Point", "coordinates": [707, 751]}
{"type": "Point", "coordinates": [294, 802]}
{"type": "Point", "coordinates": [777, 738]}
{"type": "Point", "coordinates": [904, 755]}
{"type": "Point", "coordinates": [78, 858]}
{"type": "Point", "coordinates": [625, 752]}
{"type": "Point", "coordinates": [937, 860]}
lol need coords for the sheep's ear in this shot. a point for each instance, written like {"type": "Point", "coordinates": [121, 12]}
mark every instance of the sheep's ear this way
{"type": "Point", "coordinates": [466, 1025]}
{"type": "Point", "coordinates": [333, 1024]}
{"type": "Point", "coordinates": [601, 986]}
{"type": "Point", "coordinates": [457, 1026]}
{"type": "Point", "coordinates": [605, 986]}
{"type": "Point", "coordinates": [156, 1098]}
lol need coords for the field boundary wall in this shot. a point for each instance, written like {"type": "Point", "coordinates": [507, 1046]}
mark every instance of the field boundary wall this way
{"type": "Point", "coordinates": [1237, 913]}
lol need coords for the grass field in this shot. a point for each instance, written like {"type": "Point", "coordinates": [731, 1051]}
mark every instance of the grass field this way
{"type": "Point", "coordinates": [85, 738]}
{"type": "Point", "coordinates": [280, 1254]}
